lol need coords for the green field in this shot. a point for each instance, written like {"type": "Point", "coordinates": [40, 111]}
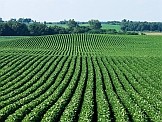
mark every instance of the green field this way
{"type": "Point", "coordinates": [60, 25]}
{"type": "Point", "coordinates": [81, 77]}
{"type": "Point", "coordinates": [109, 26]}
{"type": "Point", "coordinates": [7, 38]}
{"type": "Point", "coordinates": [104, 26]}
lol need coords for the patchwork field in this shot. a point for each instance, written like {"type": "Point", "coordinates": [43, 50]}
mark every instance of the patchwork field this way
{"type": "Point", "coordinates": [104, 26]}
{"type": "Point", "coordinates": [81, 77]}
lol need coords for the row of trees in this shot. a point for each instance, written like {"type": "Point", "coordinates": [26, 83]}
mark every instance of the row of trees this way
{"type": "Point", "coordinates": [35, 29]}
{"type": "Point", "coordinates": [127, 25]}
{"type": "Point", "coordinates": [94, 27]}
{"type": "Point", "coordinates": [26, 27]}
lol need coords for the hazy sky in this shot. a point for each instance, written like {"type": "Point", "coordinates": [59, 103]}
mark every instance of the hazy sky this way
{"type": "Point", "coordinates": [82, 10]}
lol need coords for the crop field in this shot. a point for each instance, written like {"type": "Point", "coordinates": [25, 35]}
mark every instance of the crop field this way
{"type": "Point", "coordinates": [81, 77]}
{"type": "Point", "coordinates": [104, 26]}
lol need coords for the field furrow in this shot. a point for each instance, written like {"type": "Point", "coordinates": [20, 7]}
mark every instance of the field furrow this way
{"type": "Point", "coordinates": [81, 77]}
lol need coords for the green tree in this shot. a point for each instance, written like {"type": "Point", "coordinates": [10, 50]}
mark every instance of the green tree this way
{"type": "Point", "coordinates": [37, 29]}
{"type": "Point", "coordinates": [95, 24]}
{"type": "Point", "coordinates": [1, 20]}
{"type": "Point", "coordinates": [19, 29]}
{"type": "Point", "coordinates": [5, 30]}
{"type": "Point", "coordinates": [72, 24]}
{"type": "Point", "coordinates": [26, 20]}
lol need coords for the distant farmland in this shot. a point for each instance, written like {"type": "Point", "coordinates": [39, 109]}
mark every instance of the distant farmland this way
{"type": "Point", "coordinates": [104, 26]}
{"type": "Point", "coordinates": [81, 77]}
{"type": "Point", "coordinates": [153, 33]}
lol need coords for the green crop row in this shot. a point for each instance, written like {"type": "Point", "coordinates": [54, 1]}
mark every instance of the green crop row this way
{"type": "Point", "coordinates": [81, 77]}
{"type": "Point", "coordinates": [40, 109]}
{"type": "Point", "coordinates": [85, 45]}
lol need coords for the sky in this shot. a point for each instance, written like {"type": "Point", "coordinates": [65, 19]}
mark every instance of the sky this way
{"type": "Point", "coordinates": [82, 10]}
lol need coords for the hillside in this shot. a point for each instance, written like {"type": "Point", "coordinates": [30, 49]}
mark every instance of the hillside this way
{"type": "Point", "coordinates": [81, 77]}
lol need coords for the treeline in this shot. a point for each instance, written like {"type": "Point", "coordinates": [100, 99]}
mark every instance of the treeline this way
{"type": "Point", "coordinates": [127, 25]}
{"type": "Point", "coordinates": [28, 27]}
